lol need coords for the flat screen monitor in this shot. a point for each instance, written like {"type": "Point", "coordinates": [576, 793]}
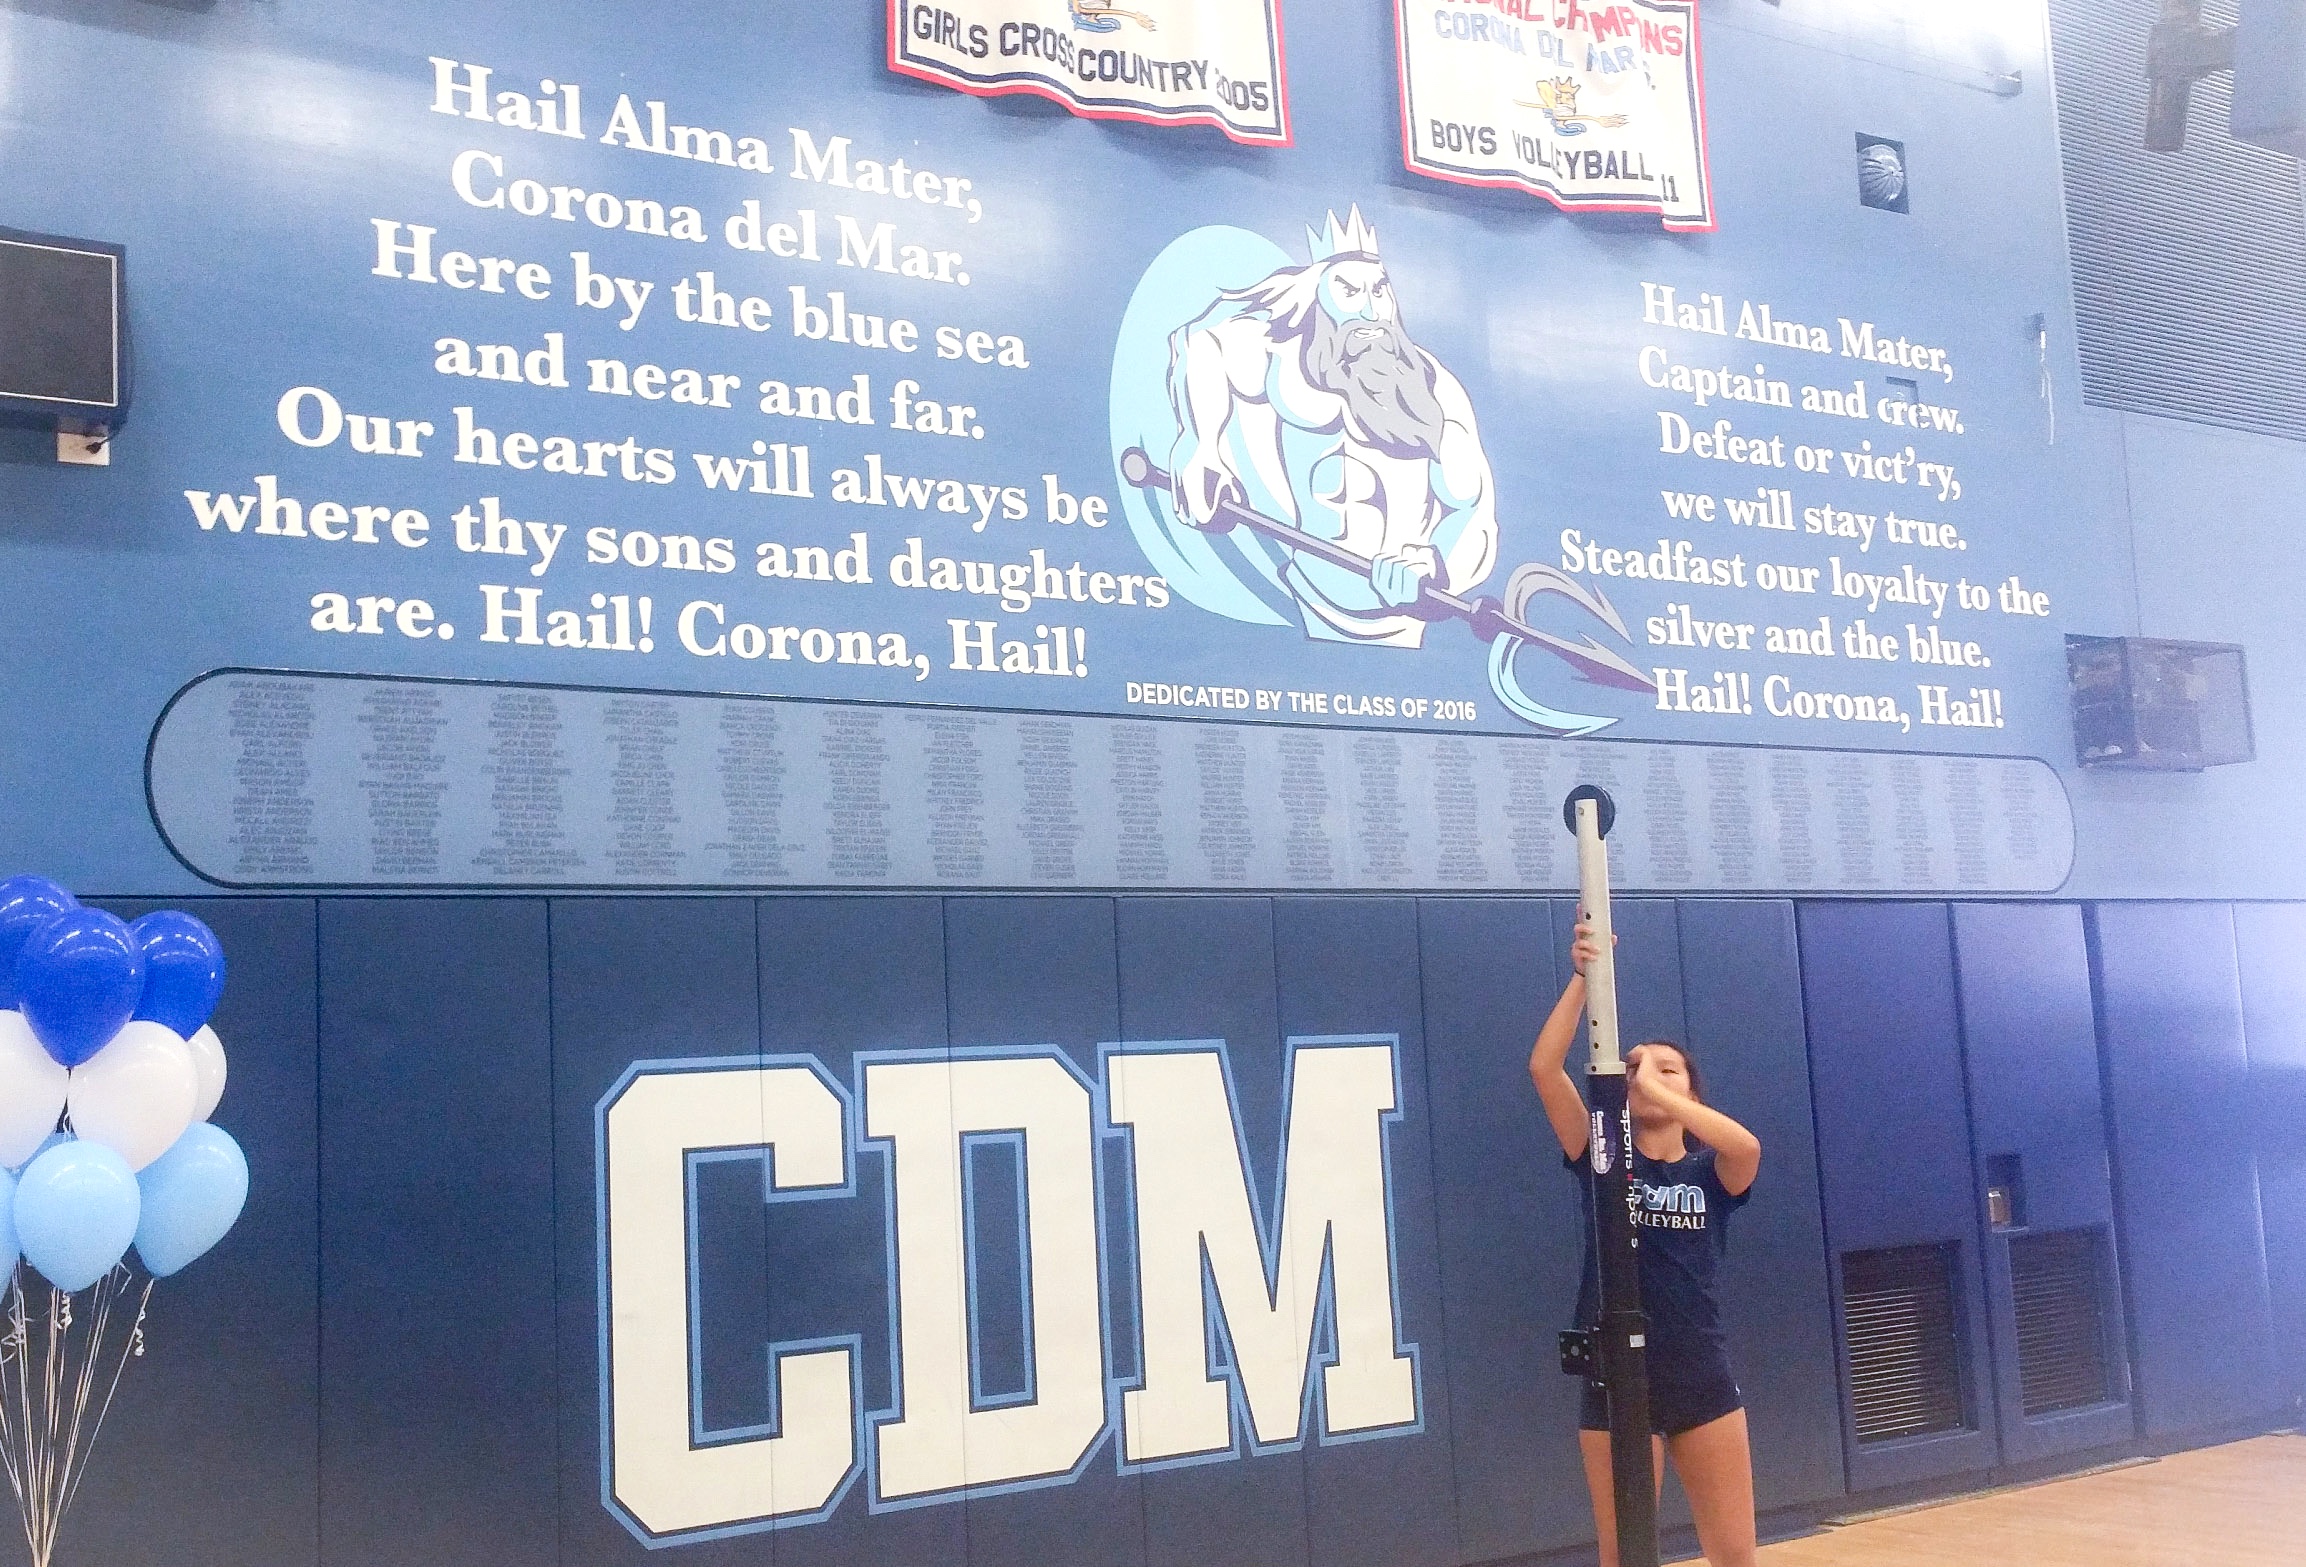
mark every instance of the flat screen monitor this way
{"type": "Point", "coordinates": [61, 329]}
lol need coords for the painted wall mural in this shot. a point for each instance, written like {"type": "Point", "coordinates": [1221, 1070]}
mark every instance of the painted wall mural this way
{"type": "Point", "coordinates": [610, 369]}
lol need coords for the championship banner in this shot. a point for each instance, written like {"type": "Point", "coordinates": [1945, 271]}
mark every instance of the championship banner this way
{"type": "Point", "coordinates": [1597, 108]}
{"type": "Point", "coordinates": [1158, 62]}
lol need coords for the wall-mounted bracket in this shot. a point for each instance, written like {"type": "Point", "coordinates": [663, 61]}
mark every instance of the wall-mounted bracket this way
{"type": "Point", "coordinates": [87, 445]}
{"type": "Point", "coordinates": [2180, 51]}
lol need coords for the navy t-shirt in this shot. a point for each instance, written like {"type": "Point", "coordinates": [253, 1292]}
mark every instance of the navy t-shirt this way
{"type": "Point", "coordinates": [1681, 1220]}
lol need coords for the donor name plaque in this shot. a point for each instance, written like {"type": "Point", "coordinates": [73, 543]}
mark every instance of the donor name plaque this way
{"type": "Point", "coordinates": [268, 779]}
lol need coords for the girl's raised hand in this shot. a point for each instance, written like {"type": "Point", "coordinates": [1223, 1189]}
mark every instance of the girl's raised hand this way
{"type": "Point", "coordinates": [1583, 947]}
{"type": "Point", "coordinates": [1643, 1083]}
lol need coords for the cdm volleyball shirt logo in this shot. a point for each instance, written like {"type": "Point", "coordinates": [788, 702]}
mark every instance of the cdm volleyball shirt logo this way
{"type": "Point", "coordinates": [1251, 1319]}
{"type": "Point", "coordinates": [1679, 1207]}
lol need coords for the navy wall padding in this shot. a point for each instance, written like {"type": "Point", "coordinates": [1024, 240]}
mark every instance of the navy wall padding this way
{"type": "Point", "coordinates": [438, 1390]}
{"type": "Point", "coordinates": [2271, 942]}
{"type": "Point", "coordinates": [2186, 1188]}
{"type": "Point", "coordinates": [2030, 1050]}
{"type": "Point", "coordinates": [1508, 1226]}
{"type": "Point", "coordinates": [636, 981]}
{"type": "Point", "coordinates": [1040, 971]}
{"type": "Point", "coordinates": [1893, 1137]}
{"type": "Point", "coordinates": [1346, 967]}
{"type": "Point", "coordinates": [395, 1357]}
{"type": "Point", "coordinates": [840, 976]}
{"type": "Point", "coordinates": [1203, 968]}
{"type": "Point", "coordinates": [1741, 973]}
{"type": "Point", "coordinates": [225, 1401]}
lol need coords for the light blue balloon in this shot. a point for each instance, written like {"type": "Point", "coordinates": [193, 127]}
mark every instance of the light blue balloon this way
{"type": "Point", "coordinates": [9, 1250]}
{"type": "Point", "coordinates": [192, 1194]}
{"type": "Point", "coordinates": [76, 1211]}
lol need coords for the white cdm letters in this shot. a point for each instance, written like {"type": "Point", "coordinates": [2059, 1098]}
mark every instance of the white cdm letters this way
{"type": "Point", "coordinates": [1193, 1200]}
{"type": "Point", "coordinates": [1239, 1299]}
{"type": "Point", "coordinates": [922, 1110]}
{"type": "Point", "coordinates": [653, 1120]}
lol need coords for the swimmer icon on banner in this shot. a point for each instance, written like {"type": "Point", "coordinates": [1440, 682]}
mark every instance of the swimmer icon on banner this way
{"type": "Point", "coordinates": [1596, 108]}
{"type": "Point", "coordinates": [1158, 62]}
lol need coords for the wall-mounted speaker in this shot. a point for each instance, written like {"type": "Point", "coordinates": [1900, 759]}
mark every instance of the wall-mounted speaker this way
{"type": "Point", "coordinates": [2159, 706]}
{"type": "Point", "coordinates": [1882, 173]}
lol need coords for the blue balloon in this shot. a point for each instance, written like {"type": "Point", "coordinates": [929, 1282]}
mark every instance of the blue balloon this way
{"type": "Point", "coordinates": [9, 1250]}
{"type": "Point", "coordinates": [26, 904]}
{"type": "Point", "coordinates": [183, 970]}
{"type": "Point", "coordinates": [77, 981]}
{"type": "Point", "coordinates": [76, 1211]}
{"type": "Point", "coordinates": [192, 1193]}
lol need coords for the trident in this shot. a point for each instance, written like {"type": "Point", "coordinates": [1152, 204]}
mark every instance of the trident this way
{"type": "Point", "coordinates": [1500, 624]}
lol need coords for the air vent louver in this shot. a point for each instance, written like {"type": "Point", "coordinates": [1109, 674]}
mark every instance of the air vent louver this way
{"type": "Point", "coordinates": [1905, 1358]}
{"type": "Point", "coordinates": [2061, 1330]}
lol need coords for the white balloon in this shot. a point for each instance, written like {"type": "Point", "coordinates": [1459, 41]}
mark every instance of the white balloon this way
{"type": "Point", "coordinates": [32, 1084]}
{"type": "Point", "coordinates": [136, 1095]}
{"type": "Point", "coordinates": [208, 1068]}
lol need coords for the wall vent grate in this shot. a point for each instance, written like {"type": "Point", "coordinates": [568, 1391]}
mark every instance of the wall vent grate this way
{"type": "Point", "coordinates": [2189, 267]}
{"type": "Point", "coordinates": [2061, 1326]}
{"type": "Point", "coordinates": [1905, 1355]}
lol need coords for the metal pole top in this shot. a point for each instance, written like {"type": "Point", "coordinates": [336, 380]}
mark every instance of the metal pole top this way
{"type": "Point", "coordinates": [1605, 808]}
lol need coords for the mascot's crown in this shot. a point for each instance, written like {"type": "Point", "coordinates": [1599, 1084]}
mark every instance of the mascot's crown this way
{"type": "Point", "coordinates": [1353, 237]}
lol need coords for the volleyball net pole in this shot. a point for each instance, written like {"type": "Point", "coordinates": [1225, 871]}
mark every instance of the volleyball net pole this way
{"type": "Point", "coordinates": [1613, 1352]}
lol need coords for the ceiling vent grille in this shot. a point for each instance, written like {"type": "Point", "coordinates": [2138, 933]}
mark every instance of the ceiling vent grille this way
{"type": "Point", "coordinates": [2189, 267]}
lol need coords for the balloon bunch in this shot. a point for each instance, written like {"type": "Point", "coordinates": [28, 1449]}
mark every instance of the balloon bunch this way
{"type": "Point", "coordinates": [108, 1074]}
{"type": "Point", "coordinates": [108, 1031]}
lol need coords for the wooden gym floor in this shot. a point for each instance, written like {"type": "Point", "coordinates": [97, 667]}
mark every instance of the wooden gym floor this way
{"type": "Point", "coordinates": [2241, 1505]}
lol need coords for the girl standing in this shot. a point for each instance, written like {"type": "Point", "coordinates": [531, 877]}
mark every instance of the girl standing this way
{"type": "Point", "coordinates": [1693, 1166]}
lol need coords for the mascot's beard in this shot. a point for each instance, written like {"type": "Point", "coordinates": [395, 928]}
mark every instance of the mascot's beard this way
{"type": "Point", "coordinates": [1382, 376]}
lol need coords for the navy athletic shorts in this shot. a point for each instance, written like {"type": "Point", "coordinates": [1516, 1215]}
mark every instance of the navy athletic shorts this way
{"type": "Point", "coordinates": [1675, 1405]}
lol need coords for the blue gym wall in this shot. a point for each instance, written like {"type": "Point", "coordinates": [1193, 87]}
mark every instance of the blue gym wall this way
{"type": "Point", "coordinates": [394, 1359]}
{"type": "Point", "coordinates": [254, 140]}
{"type": "Point", "coordinates": [2201, 545]}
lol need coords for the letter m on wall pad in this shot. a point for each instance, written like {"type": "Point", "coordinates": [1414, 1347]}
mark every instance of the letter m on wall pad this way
{"type": "Point", "coordinates": [1247, 1321]}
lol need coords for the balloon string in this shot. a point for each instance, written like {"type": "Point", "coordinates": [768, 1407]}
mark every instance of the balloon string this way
{"type": "Point", "coordinates": [67, 1476]}
{"type": "Point", "coordinates": [30, 1431]}
{"type": "Point", "coordinates": [132, 1349]}
{"type": "Point", "coordinates": [16, 1420]}
{"type": "Point", "coordinates": [59, 1340]}
{"type": "Point", "coordinates": [47, 1435]}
